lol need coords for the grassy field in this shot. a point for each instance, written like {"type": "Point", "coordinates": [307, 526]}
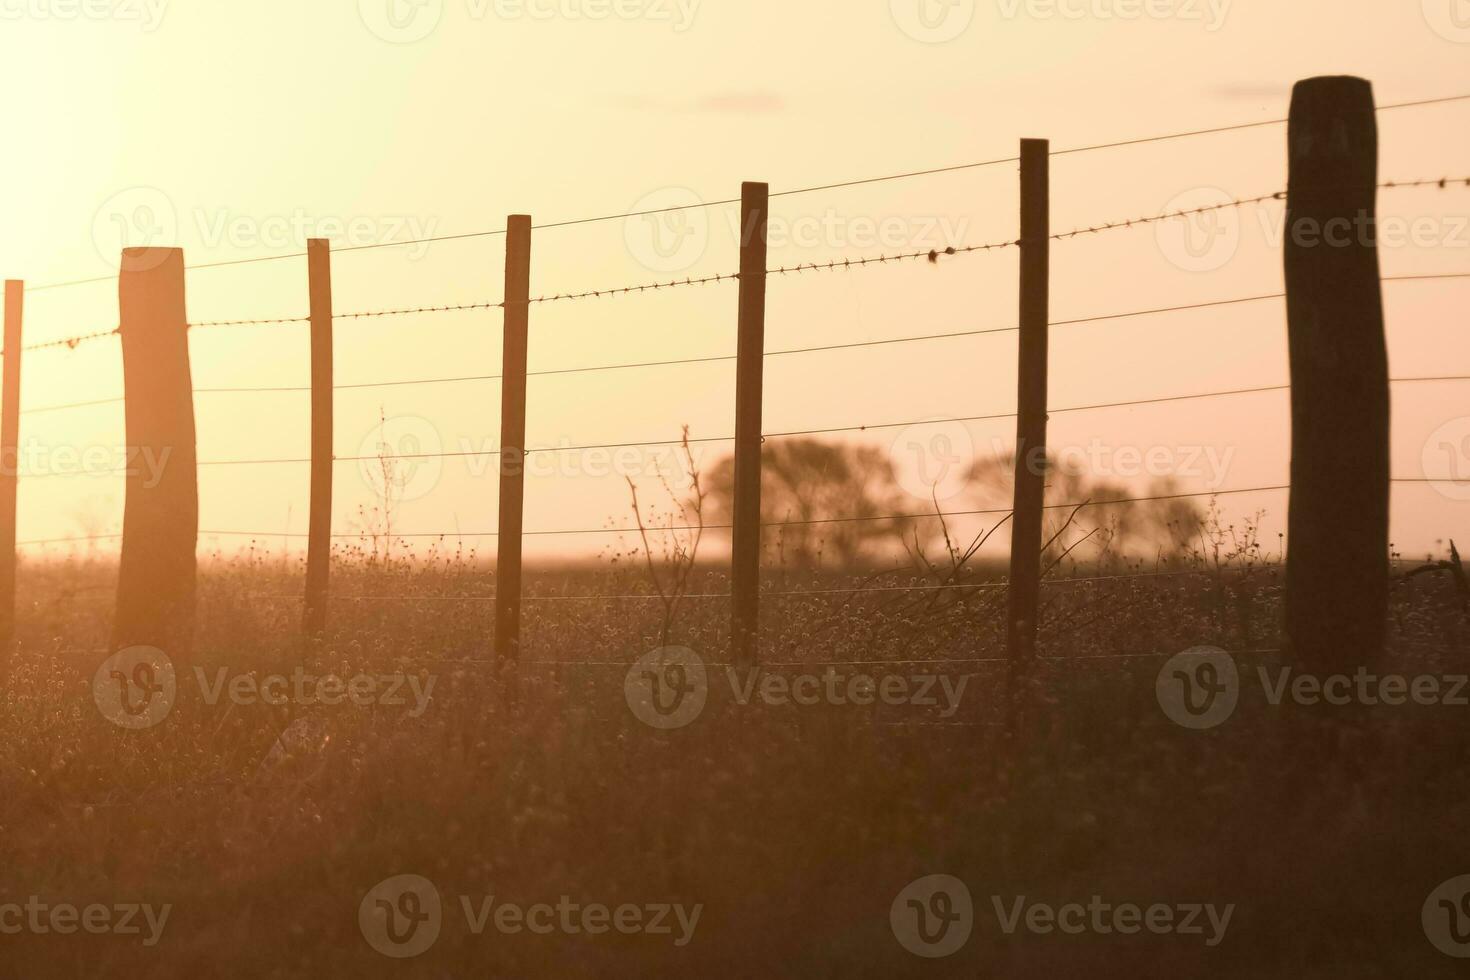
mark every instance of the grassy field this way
{"type": "Point", "coordinates": [792, 827]}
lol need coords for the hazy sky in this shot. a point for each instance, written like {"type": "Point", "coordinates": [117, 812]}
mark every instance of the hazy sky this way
{"type": "Point", "coordinates": [238, 130]}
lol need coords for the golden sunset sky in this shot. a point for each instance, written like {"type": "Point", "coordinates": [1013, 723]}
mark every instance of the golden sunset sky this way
{"type": "Point", "coordinates": [236, 131]}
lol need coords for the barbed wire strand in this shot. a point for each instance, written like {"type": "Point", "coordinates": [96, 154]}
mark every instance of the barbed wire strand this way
{"type": "Point", "coordinates": [725, 202]}
{"type": "Point", "coordinates": [732, 200]}
{"type": "Point", "coordinates": [773, 435]}
{"type": "Point", "coordinates": [931, 515]}
{"type": "Point", "coordinates": [933, 255]}
{"type": "Point", "coordinates": [765, 594]}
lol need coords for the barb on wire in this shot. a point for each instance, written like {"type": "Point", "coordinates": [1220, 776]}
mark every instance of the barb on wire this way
{"type": "Point", "coordinates": [451, 308]}
{"type": "Point", "coordinates": [70, 343]}
{"type": "Point", "coordinates": [261, 322]}
{"type": "Point", "coordinates": [643, 288]}
{"type": "Point", "coordinates": [1442, 183]}
{"type": "Point", "coordinates": [933, 255]}
{"type": "Point", "coordinates": [1153, 219]}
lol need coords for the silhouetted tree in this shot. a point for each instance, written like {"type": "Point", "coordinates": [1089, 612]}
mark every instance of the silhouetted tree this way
{"type": "Point", "coordinates": [1123, 522]}
{"type": "Point", "coordinates": [809, 480]}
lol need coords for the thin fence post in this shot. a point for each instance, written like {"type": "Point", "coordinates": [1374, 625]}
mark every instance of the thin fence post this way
{"type": "Point", "coordinates": [1031, 462]}
{"type": "Point", "coordinates": [157, 569]}
{"type": "Point", "coordinates": [512, 439]}
{"type": "Point", "coordinates": [319, 531]}
{"type": "Point", "coordinates": [745, 548]}
{"type": "Point", "coordinates": [1337, 535]}
{"type": "Point", "coordinates": [9, 461]}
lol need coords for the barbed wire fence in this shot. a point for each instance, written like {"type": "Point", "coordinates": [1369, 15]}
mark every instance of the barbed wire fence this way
{"type": "Point", "coordinates": [751, 281]}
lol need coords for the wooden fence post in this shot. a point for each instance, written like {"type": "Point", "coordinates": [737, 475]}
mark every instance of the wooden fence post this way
{"type": "Point", "coordinates": [745, 548]}
{"type": "Point", "coordinates": [9, 462]}
{"type": "Point", "coordinates": [1337, 541]}
{"type": "Point", "coordinates": [157, 569]}
{"type": "Point", "coordinates": [512, 439]}
{"type": "Point", "coordinates": [1031, 462]}
{"type": "Point", "coordinates": [319, 531]}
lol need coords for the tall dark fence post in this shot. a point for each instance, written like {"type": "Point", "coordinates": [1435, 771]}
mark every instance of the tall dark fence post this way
{"type": "Point", "coordinates": [156, 573]}
{"type": "Point", "coordinates": [745, 558]}
{"type": "Point", "coordinates": [15, 292]}
{"type": "Point", "coordinates": [1337, 541]}
{"type": "Point", "coordinates": [513, 439]}
{"type": "Point", "coordinates": [1025, 577]}
{"type": "Point", "coordinates": [319, 531]}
